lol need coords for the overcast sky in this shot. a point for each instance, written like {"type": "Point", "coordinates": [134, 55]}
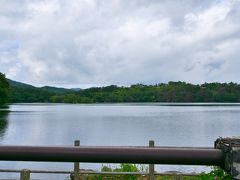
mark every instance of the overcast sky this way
{"type": "Point", "coordinates": [82, 43]}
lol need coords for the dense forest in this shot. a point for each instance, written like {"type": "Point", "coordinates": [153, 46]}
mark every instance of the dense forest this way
{"type": "Point", "coordinates": [16, 92]}
{"type": "Point", "coordinates": [169, 92]}
{"type": "Point", "coordinates": [4, 90]}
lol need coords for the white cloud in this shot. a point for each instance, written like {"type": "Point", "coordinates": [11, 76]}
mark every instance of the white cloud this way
{"type": "Point", "coordinates": [91, 42]}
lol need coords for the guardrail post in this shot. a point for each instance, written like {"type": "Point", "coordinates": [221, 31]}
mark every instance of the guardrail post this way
{"type": "Point", "coordinates": [231, 150]}
{"type": "Point", "coordinates": [151, 166]}
{"type": "Point", "coordinates": [25, 174]}
{"type": "Point", "coordinates": [76, 164]}
{"type": "Point", "coordinates": [176, 177]}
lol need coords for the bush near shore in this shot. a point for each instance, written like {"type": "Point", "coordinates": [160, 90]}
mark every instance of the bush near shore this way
{"type": "Point", "coordinates": [216, 174]}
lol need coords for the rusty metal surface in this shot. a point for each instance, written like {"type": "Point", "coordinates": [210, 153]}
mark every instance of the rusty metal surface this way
{"type": "Point", "coordinates": [231, 149]}
{"type": "Point", "coordinates": [144, 155]}
{"type": "Point", "coordinates": [228, 142]}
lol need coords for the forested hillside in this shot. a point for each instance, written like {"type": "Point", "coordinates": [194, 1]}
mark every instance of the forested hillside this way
{"type": "Point", "coordinates": [22, 93]}
{"type": "Point", "coordinates": [170, 92]}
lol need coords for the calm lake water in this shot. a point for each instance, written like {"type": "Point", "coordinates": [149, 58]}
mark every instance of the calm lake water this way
{"type": "Point", "coordinates": [195, 125]}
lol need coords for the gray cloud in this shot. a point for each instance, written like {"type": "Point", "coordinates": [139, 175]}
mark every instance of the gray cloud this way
{"type": "Point", "coordinates": [91, 42]}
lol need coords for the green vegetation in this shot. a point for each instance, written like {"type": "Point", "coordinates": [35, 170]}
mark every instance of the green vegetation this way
{"type": "Point", "coordinates": [4, 90]}
{"type": "Point", "coordinates": [170, 92]}
{"type": "Point", "coordinates": [120, 168]}
{"type": "Point", "coordinates": [216, 173]}
{"type": "Point", "coordinates": [24, 93]}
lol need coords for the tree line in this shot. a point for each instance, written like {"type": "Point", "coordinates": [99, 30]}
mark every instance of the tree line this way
{"type": "Point", "coordinates": [163, 92]}
{"type": "Point", "coordinates": [170, 92]}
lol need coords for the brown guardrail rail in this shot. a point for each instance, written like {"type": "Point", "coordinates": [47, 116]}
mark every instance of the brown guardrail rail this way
{"type": "Point", "coordinates": [143, 155]}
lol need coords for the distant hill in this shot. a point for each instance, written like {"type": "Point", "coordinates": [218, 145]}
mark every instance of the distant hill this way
{"type": "Point", "coordinates": [19, 84]}
{"type": "Point", "coordinates": [22, 92]}
{"type": "Point", "coordinates": [56, 89]}
{"type": "Point", "coordinates": [76, 89]}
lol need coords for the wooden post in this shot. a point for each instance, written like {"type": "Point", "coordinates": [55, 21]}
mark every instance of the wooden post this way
{"type": "Point", "coordinates": [76, 164]}
{"type": "Point", "coordinates": [151, 166]}
{"type": "Point", "coordinates": [176, 177]}
{"type": "Point", "coordinates": [25, 174]}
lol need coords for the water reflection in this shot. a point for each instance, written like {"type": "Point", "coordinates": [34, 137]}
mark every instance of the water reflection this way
{"type": "Point", "coordinates": [3, 120]}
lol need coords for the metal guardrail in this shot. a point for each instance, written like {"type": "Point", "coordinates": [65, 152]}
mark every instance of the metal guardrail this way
{"type": "Point", "coordinates": [25, 173]}
{"type": "Point", "coordinates": [141, 155]}
{"type": "Point", "coordinates": [98, 172]}
{"type": "Point", "coordinates": [137, 155]}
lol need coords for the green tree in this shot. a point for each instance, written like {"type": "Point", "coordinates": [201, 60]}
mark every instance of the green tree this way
{"type": "Point", "coordinates": [170, 92]}
{"type": "Point", "coordinates": [4, 90]}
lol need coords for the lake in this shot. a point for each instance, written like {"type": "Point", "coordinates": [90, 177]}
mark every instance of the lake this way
{"type": "Point", "coordinates": [197, 125]}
